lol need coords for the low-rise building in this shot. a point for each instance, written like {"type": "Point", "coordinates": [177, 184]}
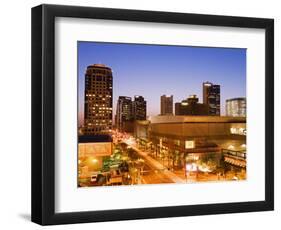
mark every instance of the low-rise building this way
{"type": "Point", "coordinates": [183, 138]}
{"type": "Point", "coordinates": [92, 150]}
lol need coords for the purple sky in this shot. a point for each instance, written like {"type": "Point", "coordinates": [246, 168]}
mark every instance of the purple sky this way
{"type": "Point", "coordinates": [154, 70]}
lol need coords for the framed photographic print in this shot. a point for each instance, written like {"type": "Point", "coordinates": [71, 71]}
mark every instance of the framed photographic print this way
{"type": "Point", "coordinates": [141, 114]}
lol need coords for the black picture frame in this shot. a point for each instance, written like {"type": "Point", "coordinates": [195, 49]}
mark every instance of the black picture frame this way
{"type": "Point", "coordinates": [43, 114]}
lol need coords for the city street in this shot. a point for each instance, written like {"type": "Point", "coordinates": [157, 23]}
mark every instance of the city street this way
{"type": "Point", "coordinates": [159, 170]}
{"type": "Point", "coordinates": [130, 165]}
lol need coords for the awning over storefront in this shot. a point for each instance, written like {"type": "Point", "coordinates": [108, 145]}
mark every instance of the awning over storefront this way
{"type": "Point", "coordinates": [236, 162]}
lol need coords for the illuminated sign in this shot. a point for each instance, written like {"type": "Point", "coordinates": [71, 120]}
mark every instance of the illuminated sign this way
{"type": "Point", "coordinates": [95, 149]}
{"type": "Point", "coordinates": [191, 167]}
{"type": "Point", "coordinates": [238, 131]}
{"type": "Point", "coordinates": [189, 144]}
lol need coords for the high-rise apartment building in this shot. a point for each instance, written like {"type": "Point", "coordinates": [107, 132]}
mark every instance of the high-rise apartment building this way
{"type": "Point", "coordinates": [211, 97]}
{"type": "Point", "coordinates": [236, 107]}
{"type": "Point", "coordinates": [166, 105]}
{"type": "Point", "coordinates": [98, 100]}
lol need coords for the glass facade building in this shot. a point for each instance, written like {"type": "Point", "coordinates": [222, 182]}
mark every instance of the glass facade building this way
{"type": "Point", "coordinates": [139, 108]}
{"type": "Point", "coordinates": [124, 111]}
{"type": "Point", "coordinates": [211, 97]}
{"type": "Point", "coordinates": [236, 107]}
{"type": "Point", "coordinates": [166, 105]}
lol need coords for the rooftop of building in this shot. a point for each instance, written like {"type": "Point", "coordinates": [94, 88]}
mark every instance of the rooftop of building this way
{"type": "Point", "coordinates": [94, 138]}
{"type": "Point", "coordinates": [196, 119]}
{"type": "Point", "coordinates": [207, 83]}
{"type": "Point", "coordinates": [142, 122]}
{"type": "Point", "coordinates": [236, 99]}
{"type": "Point", "coordinates": [103, 66]}
{"type": "Point", "coordinates": [124, 97]}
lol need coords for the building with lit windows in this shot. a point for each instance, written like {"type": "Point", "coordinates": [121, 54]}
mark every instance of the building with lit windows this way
{"type": "Point", "coordinates": [139, 108]}
{"type": "Point", "coordinates": [191, 106]}
{"type": "Point", "coordinates": [124, 112]}
{"type": "Point", "coordinates": [92, 152]}
{"type": "Point", "coordinates": [97, 100]}
{"type": "Point", "coordinates": [166, 105]}
{"type": "Point", "coordinates": [236, 107]}
{"type": "Point", "coordinates": [211, 97]}
{"type": "Point", "coordinates": [178, 139]}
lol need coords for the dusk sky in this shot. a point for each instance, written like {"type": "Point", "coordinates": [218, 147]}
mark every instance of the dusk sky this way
{"type": "Point", "coordinates": [154, 70]}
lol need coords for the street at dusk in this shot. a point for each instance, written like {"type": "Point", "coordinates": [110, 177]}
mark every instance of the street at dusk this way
{"type": "Point", "coordinates": [131, 164]}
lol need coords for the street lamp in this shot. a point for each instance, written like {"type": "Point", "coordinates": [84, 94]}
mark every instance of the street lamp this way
{"type": "Point", "coordinates": [94, 160]}
{"type": "Point", "coordinates": [230, 147]}
{"type": "Point", "coordinates": [190, 167]}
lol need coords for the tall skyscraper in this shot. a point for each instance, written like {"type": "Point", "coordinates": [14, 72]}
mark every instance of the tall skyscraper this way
{"type": "Point", "coordinates": [166, 105]}
{"type": "Point", "coordinates": [190, 106]}
{"type": "Point", "coordinates": [123, 111]}
{"type": "Point", "coordinates": [139, 108]}
{"type": "Point", "coordinates": [98, 100]}
{"type": "Point", "coordinates": [236, 107]}
{"type": "Point", "coordinates": [211, 97]}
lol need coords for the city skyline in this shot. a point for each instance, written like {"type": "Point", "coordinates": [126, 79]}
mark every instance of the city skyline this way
{"type": "Point", "coordinates": [180, 72]}
{"type": "Point", "coordinates": [131, 84]}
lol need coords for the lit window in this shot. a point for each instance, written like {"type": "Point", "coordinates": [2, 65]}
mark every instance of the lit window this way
{"type": "Point", "coordinates": [189, 144]}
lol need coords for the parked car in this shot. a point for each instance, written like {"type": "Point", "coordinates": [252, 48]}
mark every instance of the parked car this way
{"type": "Point", "coordinates": [94, 176]}
{"type": "Point", "coordinates": [115, 177]}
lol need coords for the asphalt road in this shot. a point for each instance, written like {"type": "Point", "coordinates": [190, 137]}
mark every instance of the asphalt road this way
{"type": "Point", "coordinates": [152, 175]}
